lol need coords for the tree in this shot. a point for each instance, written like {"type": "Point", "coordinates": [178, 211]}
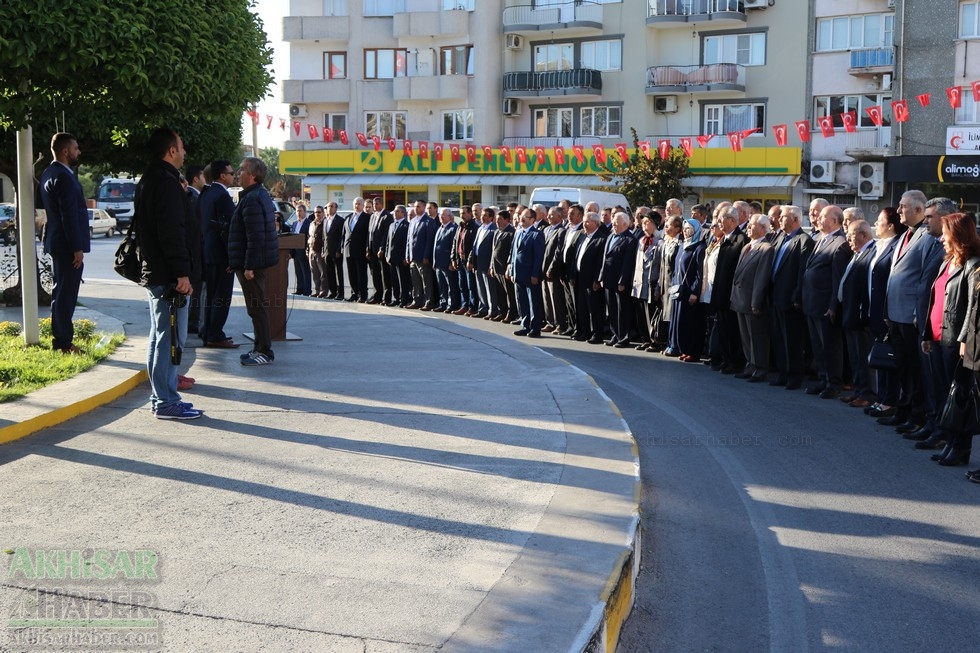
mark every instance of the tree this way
{"type": "Point", "coordinates": [280, 185]}
{"type": "Point", "coordinates": [648, 182]}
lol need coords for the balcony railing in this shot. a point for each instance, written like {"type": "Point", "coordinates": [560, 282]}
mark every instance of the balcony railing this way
{"type": "Point", "coordinates": [866, 141]}
{"type": "Point", "coordinates": [693, 7]}
{"type": "Point", "coordinates": [883, 57]}
{"type": "Point", "coordinates": [576, 81]}
{"type": "Point", "coordinates": [716, 76]}
{"type": "Point", "coordinates": [534, 141]}
{"type": "Point", "coordinates": [573, 13]}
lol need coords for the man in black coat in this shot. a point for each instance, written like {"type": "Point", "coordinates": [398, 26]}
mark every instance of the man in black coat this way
{"type": "Point", "coordinates": [301, 255]}
{"type": "Point", "coordinates": [568, 269]}
{"type": "Point", "coordinates": [726, 320]}
{"type": "Point", "coordinates": [334, 227]}
{"type": "Point", "coordinates": [355, 251]}
{"type": "Point", "coordinates": [616, 277]}
{"type": "Point", "coordinates": [462, 248]}
{"type": "Point", "coordinates": [555, 308]}
{"type": "Point", "coordinates": [215, 208]}
{"type": "Point", "coordinates": [377, 243]}
{"type": "Point", "coordinates": [854, 302]}
{"type": "Point", "coordinates": [401, 275]}
{"type": "Point", "coordinates": [590, 301]}
{"type": "Point", "coordinates": [506, 293]}
{"type": "Point", "coordinates": [787, 301]}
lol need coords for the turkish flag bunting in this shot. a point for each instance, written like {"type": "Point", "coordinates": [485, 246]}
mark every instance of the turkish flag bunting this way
{"type": "Point", "coordinates": [407, 147]}
{"type": "Point", "coordinates": [343, 136]}
{"type": "Point", "coordinates": [579, 151]}
{"type": "Point", "coordinates": [471, 153]}
{"type": "Point", "coordinates": [392, 144]}
{"type": "Point", "coordinates": [924, 99]}
{"type": "Point", "coordinates": [663, 148]}
{"type": "Point", "coordinates": [296, 127]}
{"type": "Point", "coordinates": [361, 138]}
{"type": "Point", "coordinates": [875, 114]}
{"type": "Point", "coordinates": [599, 152]}
{"type": "Point", "coordinates": [377, 143]}
{"type": "Point", "coordinates": [505, 152]}
{"type": "Point", "coordinates": [539, 154]}
{"type": "Point", "coordinates": [748, 132]}
{"type": "Point", "coordinates": [313, 132]}
{"type": "Point", "coordinates": [327, 135]}
{"type": "Point", "coordinates": [735, 139]}
{"type": "Point", "coordinates": [645, 148]}
{"type": "Point", "coordinates": [437, 151]}
{"type": "Point", "coordinates": [268, 121]}
{"type": "Point", "coordinates": [282, 124]}
{"type": "Point", "coordinates": [488, 151]}
{"type": "Point", "coordinates": [704, 139]}
{"type": "Point", "coordinates": [423, 149]}
{"type": "Point", "coordinates": [826, 126]}
{"type": "Point", "coordinates": [782, 138]}
{"type": "Point", "coordinates": [454, 151]}
{"type": "Point", "coordinates": [560, 155]}
{"type": "Point", "coordinates": [254, 115]}
{"type": "Point", "coordinates": [803, 130]}
{"type": "Point", "coordinates": [621, 150]}
{"type": "Point", "coordinates": [976, 91]}
{"type": "Point", "coordinates": [521, 153]}
{"type": "Point", "coordinates": [687, 145]}
{"type": "Point", "coordinates": [955, 95]}
{"type": "Point", "coordinates": [900, 109]}
{"type": "Point", "coordinates": [850, 119]}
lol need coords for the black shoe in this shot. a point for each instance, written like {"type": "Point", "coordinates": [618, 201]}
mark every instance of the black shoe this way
{"type": "Point", "coordinates": [955, 458]}
{"type": "Point", "coordinates": [621, 345]}
{"type": "Point", "coordinates": [816, 389]}
{"type": "Point", "coordinates": [521, 332]}
{"type": "Point", "coordinates": [933, 441]}
{"type": "Point", "coordinates": [728, 370]}
{"type": "Point", "coordinates": [534, 334]}
{"type": "Point", "coordinates": [918, 435]}
{"type": "Point", "coordinates": [878, 411]}
{"type": "Point", "coordinates": [793, 385]}
{"type": "Point", "coordinates": [908, 427]}
{"type": "Point", "coordinates": [743, 375]}
{"type": "Point", "coordinates": [594, 341]}
{"type": "Point", "coordinates": [756, 379]}
{"type": "Point", "coordinates": [610, 343]}
{"type": "Point", "coordinates": [352, 298]}
{"type": "Point", "coordinates": [942, 454]}
{"type": "Point", "coordinates": [830, 392]}
{"type": "Point", "coordinates": [894, 420]}
{"type": "Point", "coordinates": [778, 381]}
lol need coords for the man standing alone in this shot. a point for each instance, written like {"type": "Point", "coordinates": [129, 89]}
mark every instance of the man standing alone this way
{"type": "Point", "coordinates": [66, 237]}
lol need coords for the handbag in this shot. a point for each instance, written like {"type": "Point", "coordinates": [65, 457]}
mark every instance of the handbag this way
{"type": "Point", "coordinates": [961, 414]}
{"type": "Point", "coordinates": [129, 263]}
{"type": "Point", "coordinates": [674, 291]}
{"type": "Point", "coordinates": [882, 356]}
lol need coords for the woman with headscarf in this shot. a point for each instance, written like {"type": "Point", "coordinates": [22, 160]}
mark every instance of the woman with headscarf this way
{"type": "Point", "coordinates": [687, 311]}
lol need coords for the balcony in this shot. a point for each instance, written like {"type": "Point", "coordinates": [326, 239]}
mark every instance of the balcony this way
{"type": "Point", "coordinates": [427, 18]}
{"type": "Point", "coordinates": [534, 141]}
{"type": "Point", "coordinates": [716, 77]}
{"type": "Point", "coordinates": [865, 143]}
{"type": "Point", "coordinates": [312, 28]}
{"type": "Point", "coordinates": [872, 61]}
{"type": "Point", "coordinates": [432, 87]}
{"type": "Point", "coordinates": [577, 81]}
{"type": "Point", "coordinates": [571, 15]}
{"type": "Point", "coordinates": [714, 13]}
{"type": "Point", "coordinates": [299, 91]}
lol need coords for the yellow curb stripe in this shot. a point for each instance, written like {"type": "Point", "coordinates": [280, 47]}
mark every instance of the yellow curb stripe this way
{"type": "Point", "coordinates": [65, 413]}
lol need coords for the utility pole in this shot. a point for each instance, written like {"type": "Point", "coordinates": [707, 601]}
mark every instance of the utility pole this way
{"type": "Point", "coordinates": [25, 234]}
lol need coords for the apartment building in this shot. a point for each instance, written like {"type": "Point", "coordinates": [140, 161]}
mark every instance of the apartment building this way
{"type": "Point", "coordinates": [496, 76]}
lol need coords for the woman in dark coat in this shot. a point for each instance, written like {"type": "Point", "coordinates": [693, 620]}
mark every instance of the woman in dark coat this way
{"type": "Point", "coordinates": [687, 311]}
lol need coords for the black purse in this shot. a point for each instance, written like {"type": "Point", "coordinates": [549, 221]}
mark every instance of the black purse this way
{"type": "Point", "coordinates": [961, 414]}
{"type": "Point", "coordinates": [882, 356]}
{"type": "Point", "coordinates": [128, 263]}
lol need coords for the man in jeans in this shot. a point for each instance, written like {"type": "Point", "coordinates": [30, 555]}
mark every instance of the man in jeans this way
{"type": "Point", "coordinates": [162, 208]}
{"type": "Point", "coordinates": [253, 246]}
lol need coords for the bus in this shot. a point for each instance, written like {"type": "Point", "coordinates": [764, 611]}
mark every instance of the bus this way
{"type": "Point", "coordinates": [115, 197]}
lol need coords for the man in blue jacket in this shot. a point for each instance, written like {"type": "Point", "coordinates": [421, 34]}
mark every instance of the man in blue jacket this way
{"type": "Point", "coordinates": [525, 270]}
{"type": "Point", "coordinates": [66, 237]}
{"type": "Point", "coordinates": [442, 261]}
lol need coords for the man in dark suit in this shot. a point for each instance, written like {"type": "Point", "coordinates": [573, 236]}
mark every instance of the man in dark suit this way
{"type": "Point", "coordinates": [377, 241]}
{"type": "Point", "coordinates": [750, 299]}
{"type": "Point", "coordinates": [479, 262]}
{"type": "Point", "coordinates": [616, 278]}
{"type": "Point", "coordinates": [333, 225]}
{"type": "Point", "coordinates": [503, 243]}
{"type": "Point", "coordinates": [726, 322]}
{"type": "Point", "coordinates": [820, 281]}
{"type": "Point", "coordinates": [66, 236]}
{"type": "Point", "coordinates": [418, 253]}
{"type": "Point", "coordinates": [787, 269]}
{"type": "Point", "coordinates": [301, 255]}
{"type": "Point", "coordinates": [216, 208]}
{"type": "Point", "coordinates": [567, 268]}
{"type": "Point", "coordinates": [466, 278]}
{"type": "Point", "coordinates": [525, 270]}
{"type": "Point", "coordinates": [401, 276]}
{"type": "Point", "coordinates": [854, 303]}
{"type": "Point", "coordinates": [442, 262]}
{"type": "Point", "coordinates": [553, 286]}
{"type": "Point", "coordinates": [591, 305]}
{"type": "Point", "coordinates": [355, 250]}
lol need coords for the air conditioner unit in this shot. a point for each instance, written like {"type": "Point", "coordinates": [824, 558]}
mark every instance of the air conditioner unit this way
{"type": "Point", "coordinates": [665, 104]}
{"type": "Point", "coordinates": [822, 171]}
{"type": "Point", "coordinates": [891, 4]}
{"type": "Point", "coordinates": [871, 180]}
{"type": "Point", "coordinates": [512, 107]}
{"type": "Point", "coordinates": [756, 4]}
{"type": "Point", "coordinates": [297, 110]}
{"type": "Point", "coordinates": [515, 42]}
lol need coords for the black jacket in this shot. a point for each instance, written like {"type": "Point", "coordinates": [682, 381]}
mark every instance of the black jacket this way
{"type": "Point", "coordinates": [253, 243]}
{"type": "Point", "coordinates": [161, 209]}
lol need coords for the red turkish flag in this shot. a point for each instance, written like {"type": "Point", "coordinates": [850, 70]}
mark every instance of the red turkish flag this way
{"type": "Point", "coordinates": [976, 91]}
{"type": "Point", "coordinates": [424, 149]}
{"type": "Point", "coordinates": [735, 140]}
{"type": "Point", "coordinates": [560, 155]}
{"type": "Point", "coordinates": [327, 135]}
{"type": "Point", "coordinates": [254, 115]}
{"type": "Point", "coordinates": [407, 147]}
{"type": "Point", "coordinates": [687, 145]}
{"type": "Point", "coordinates": [663, 148]}
{"type": "Point", "coordinates": [748, 132]}
{"type": "Point", "coordinates": [599, 152]}
{"type": "Point", "coordinates": [803, 130]}
{"type": "Point", "coordinates": [488, 151]}
{"type": "Point", "coordinates": [377, 143]}
{"type": "Point", "coordinates": [875, 114]}
{"type": "Point", "coordinates": [521, 154]}
{"type": "Point", "coordinates": [505, 152]}
{"type": "Point", "coordinates": [850, 119]}
{"type": "Point", "coordinates": [900, 109]}
{"type": "Point", "coordinates": [579, 152]}
{"type": "Point", "coordinates": [955, 96]}
{"type": "Point", "coordinates": [313, 131]}
{"type": "Point", "coordinates": [343, 136]}
{"type": "Point", "coordinates": [361, 138]}
{"type": "Point", "coordinates": [454, 151]}
{"type": "Point", "coordinates": [437, 151]}
{"type": "Point", "coordinates": [268, 121]}
{"type": "Point", "coordinates": [924, 99]}
{"type": "Point", "coordinates": [392, 144]}
{"type": "Point", "coordinates": [540, 154]}
{"type": "Point", "coordinates": [471, 153]}
{"type": "Point", "coordinates": [826, 126]}
{"type": "Point", "coordinates": [645, 148]}
{"type": "Point", "coordinates": [296, 127]}
{"type": "Point", "coordinates": [282, 124]}
{"type": "Point", "coordinates": [704, 139]}
{"type": "Point", "coordinates": [621, 150]}
{"type": "Point", "coordinates": [782, 138]}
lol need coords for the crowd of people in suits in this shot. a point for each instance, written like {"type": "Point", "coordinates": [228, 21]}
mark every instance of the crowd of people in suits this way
{"type": "Point", "coordinates": [749, 294]}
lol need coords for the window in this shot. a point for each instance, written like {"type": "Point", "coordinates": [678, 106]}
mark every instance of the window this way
{"type": "Point", "coordinates": [601, 121]}
{"type": "Point", "coordinates": [554, 123]}
{"type": "Point", "coordinates": [457, 125]}
{"type": "Point", "coordinates": [968, 112]}
{"type": "Point", "coordinates": [335, 121]}
{"type": "Point", "coordinates": [383, 7]}
{"type": "Point", "coordinates": [846, 32]}
{"type": "Point", "coordinates": [553, 56]}
{"type": "Point", "coordinates": [728, 118]}
{"type": "Point", "coordinates": [334, 65]}
{"type": "Point", "coordinates": [449, 5]}
{"type": "Point", "coordinates": [745, 49]}
{"type": "Point", "coordinates": [334, 7]}
{"type": "Point", "coordinates": [456, 60]}
{"type": "Point", "coordinates": [386, 124]}
{"type": "Point", "coordinates": [602, 55]}
{"type": "Point", "coordinates": [834, 105]}
{"type": "Point", "coordinates": [969, 20]}
{"type": "Point", "coordinates": [385, 64]}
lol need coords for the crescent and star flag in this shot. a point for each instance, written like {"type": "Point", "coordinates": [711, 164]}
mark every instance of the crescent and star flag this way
{"type": "Point", "coordinates": [505, 152]}
{"type": "Point", "coordinates": [976, 91]}
{"type": "Point", "coordinates": [361, 138]}
{"type": "Point", "coordinates": [488, 151]}
{"type": "Point", "coordinates": [924, 99]}
{"type": "Point", "coordinates": [312, 129]}
{"type": "Point", "coordinates": [392, 144]}
{"type": "Point", "coordinates": [687, 145]}
{"type": "Point", "coordinates": [955, 95]}
{"type": "Point", "coordinates": [621, 150]}
{"type": "Point", "coordinates": [282, 124]}
{"type": "Point", "coordinates": [875, 114]}
{"type": "Point", "coordinates": [826, 126]}
{"type": "Point", "coordinates": [407, 147]}
{"type": "Point", "coordinates": [704, 139]}
{"type": "Point", "coordinates": [521, 153]}
{"type": "Point", "coordinates": [560, 155]}
{"type": "Point", "coordinates": [645, 148]}
{"type": "Point", "coordinates": [377, 143]}
{"type": "Point", "coordinates": [735, 138]}
{"type": "Point", "coordinates": [343, 136]}
{"type": "Point", "coordinates": [782, 138]}
{"type": "Point", "coordinates": [539, 154]}
{"type": "Point", "coordinates": [748, 132]}
{"type": "Point", "coordinates": [471, 153]}
{"type": "Point", "coordinates": [663, 148]}
{"type": "Point", "coordinates": [900, 109]}
{"type": "Point", "coordinates": [850, 119]}
{"type": "Point", "coordinates": [454, 151]}
{"type": "Point", "coordinates": [599, 152]}
{"type": "Point", "coordinates": [803, 130]}
{"type": "Point", "coordinates": [327, 135]}
{"type": "Point", "coordinates": [437, 151]}
{"type": "Point", "coordinates": [296, 127]}
{"type": "Point", "coordinates": [423, 149]}
{"type": "Point", "coordinates": [268, 121]}
{"type": "Point", "coordinates": [579, 151]}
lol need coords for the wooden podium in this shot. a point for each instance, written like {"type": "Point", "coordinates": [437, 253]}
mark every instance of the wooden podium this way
{"type": "Point", "coordinates": [277, 288]}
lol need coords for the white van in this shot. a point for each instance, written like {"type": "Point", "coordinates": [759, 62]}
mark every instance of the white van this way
{"type": "Point", "coordinates": [551, 196]}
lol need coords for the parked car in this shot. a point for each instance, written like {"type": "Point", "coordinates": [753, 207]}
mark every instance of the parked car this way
{"type": "Point", "coordinates": [8, 224]}
{"type": "Point", "coordinates": [100, 222]}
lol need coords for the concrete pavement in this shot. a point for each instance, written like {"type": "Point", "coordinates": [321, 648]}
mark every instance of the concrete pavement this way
{"type": "Point", "coordinates": [393, 482]}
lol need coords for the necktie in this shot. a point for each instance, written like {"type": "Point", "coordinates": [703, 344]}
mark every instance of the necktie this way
{"type": "Point", "coordinates": [905, 241]}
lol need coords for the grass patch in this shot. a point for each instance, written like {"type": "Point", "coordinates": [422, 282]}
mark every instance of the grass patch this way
{"type": "Point", "coordinates": [25, 368]}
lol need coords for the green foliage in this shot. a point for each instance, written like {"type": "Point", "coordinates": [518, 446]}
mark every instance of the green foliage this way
{"type": "Point", "coordinates": [278, 184]}
{"type": "Point", "coordinates": [12, 329]}
{"type": "Point", "coordinates": [648, 182]}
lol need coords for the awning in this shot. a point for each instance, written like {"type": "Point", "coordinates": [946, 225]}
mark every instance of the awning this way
{"type": "Point", "coordinates": [741, 181]}
{"type": "Point", "coordinates": [840, 190]}
{"type": "Point", "coordinates": [571, 181]}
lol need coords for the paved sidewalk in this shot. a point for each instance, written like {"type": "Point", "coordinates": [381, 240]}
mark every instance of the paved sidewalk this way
{"type": "Point", "coordinates": [394, 482]}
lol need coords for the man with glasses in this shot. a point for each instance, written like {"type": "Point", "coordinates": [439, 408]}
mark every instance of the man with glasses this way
{"type": "Point", "coordinates": [216, 208]}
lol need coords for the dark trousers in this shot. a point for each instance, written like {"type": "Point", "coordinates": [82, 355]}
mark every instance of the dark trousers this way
{"type": "Point", "coordinates": [448, 282]}
{"type": "Point", "coordinates": [571, 311]}
{"type": "Point", "coordinates": [218, 286]}
{"type": "Point", "coordinates": [592, 312]}
{"type": "Point", "coordinates": [555, 308]}
{"type": "Point", "coordinates": [506, 297]}
{"type": "Point", "coordinates": [531, 302]}
{"type": "Point", "coordinates": [729, 338]}
{"type": "Point", "coordinates": [620, 312]}
{"type": "Point", "coordinates": [791, 324]}
{"type": "Point", "coordinates": [643, 320]}
{"type": "Point", "coordinates": [912, 401]}
{"type": "Point", "coordinates": [335, 275]}
{"type": "Point", "coordinates": [64, 296]}
{"type": "Point", "coordinates": [357, 275]}
{"type": "Point", "coordinates": [858, 347]}
{"type": "Point", "coordinates": [828, 353]}
{"type": "Point", "coordinates": [258, 309]}
{"type": "Point", "coordinates": [941, 365]}
{"type": "Point", "coordinates": [194, 305]}
{"type": "Point", "coordinates": [380, 279]}
{"type": "Point", "coordinates": [301, 267]}
{"type": "Point", "coordinates": [467, 289]}
{"type": "Point", "coordinates": [401, 282]}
